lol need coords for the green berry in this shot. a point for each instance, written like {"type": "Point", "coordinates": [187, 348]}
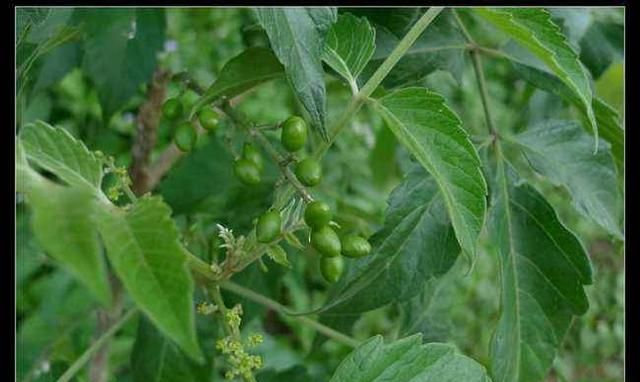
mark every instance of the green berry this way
{"type": "Point", "coordinates": [172, 109]}
{"type": "Point", "coordinates": [268, 227]}
{"type": "Point", "coordinates": [331, 268]}
{"type": "Point", "coordinates": [185, 137]}
{"type": "Point", "coordinates": [317, 214]}
{"type": "Point", "coordinates": [246, 171]}
{"type": "Point", "coordinates": [308, 172]}
{"type": "Point", "coordinates": [294, 133]}
{"type": "Point", "coordinates": [208, 119]}
{"type": "Point", "coordinates": [326, 241]}
{"type": "Point", "coordinates": [250, 152]}
{"type": "Point", "coordinates": [355, 246]}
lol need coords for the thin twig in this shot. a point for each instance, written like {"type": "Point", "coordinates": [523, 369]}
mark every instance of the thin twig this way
{"type": "Point", "coordinates": [84, 358]}
{"type": "Point", "coordinates": [280, 160]}
{"type": "Point", "coordinates": [272, 304]}
{"type": "Point", "coordinates": [477, 67]}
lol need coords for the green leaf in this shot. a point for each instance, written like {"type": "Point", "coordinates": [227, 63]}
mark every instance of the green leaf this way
{"type": "Point", "coordinates": [534, 29]}
{"type": "Point", "coordinates": [407, 360]}
{"type": "Point", "coordinates": [143, 248]}
{"type": "Point", "coordinates": [277, 254]}
{"type": "Point", "coordinates": [609, 126]}
{"type": "Point", "coordinates": [56, 64]}
{"type": "Point", "coordinates": [440, 47]}
{"type": "Point", "coordinates": [349, 46]}
{"type": "Point", "coordinates": [55, 150]}
{"type": "Point", "coordinates": [241, 74]}
{"type": "Point", "coordinates": [206, 172]}
{"type": "Point", "coordinates": [120, 50]}
{"type": "Point", "coordinates": [297, 37]}
{"type": "Point", "coordinates": [426, 126]}
{"type": "Point", "coordinates": [543, 268]}
{"type": "Point", "coordinates": [416, 243]}
{"type": "Point", "coordinates": [64, 225]}
{"type": "Point", "coordinates": [156, 358]}
{"type": "Point", "coordinates": [560, 150]}
{"type": "Point", "coordinates": [293, 374]}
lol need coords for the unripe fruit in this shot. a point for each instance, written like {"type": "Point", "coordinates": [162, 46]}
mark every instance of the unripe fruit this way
{"type": "Point", "coordinates": [208, 119]}
{"type": "Point", "coordinates": [294, 133]}
{"type": "Point", "coordinates": [331, 268]}
{"type": "Point", "coordinates": [251, 153]}
{"type": "Point", "coordinates": [308, 172]}
{"type": "Point", "coordinates": [355, 246]}
{"type": "Point", "coordinates": [326, 241]}
{"type": "Point", "coordinates": [246, 171]}
{"type": "Point", "coordinates": [172, 109]}
{"type": "Point", "coordinates": [268, 227]}
{"type": "Point", "coordinates": [317, 214]}
{"type": "Point", "coordinates": [185, 137]}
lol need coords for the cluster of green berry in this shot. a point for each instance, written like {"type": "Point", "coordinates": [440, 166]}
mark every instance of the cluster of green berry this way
{"type": "Point", "coordinates": [317, 214]}
{"type": "Point", "coordinates": [186, 136]}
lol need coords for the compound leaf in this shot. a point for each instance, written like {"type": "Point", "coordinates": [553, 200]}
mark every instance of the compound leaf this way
{"type": "Point", "coordinates": [534, 29]}
{"type": "Point", "coordinates": [424, 124]}
{"type": "Point", "coordinates": [543, 270]}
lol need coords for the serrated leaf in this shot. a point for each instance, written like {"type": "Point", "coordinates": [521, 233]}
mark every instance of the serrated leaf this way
{"type": "Point", "coordinates": [543, 270]}
{"type": "Point", "coordinates": [440, 47]}
{"type": "Point", "coordinates": [416, 243]}
{"type": "Point", "coordinates": [407, 360]}
{"type": "Point", "coordinates": [534, 29]}
{"type": "Point", "coordinates": [609, 126]}
{"type": "Point", "coordinates": [277, 254]}
{"type": "Point", "coordinates": [120, 50]}
{"type": "Point", "coordinates": [55, 150]}
{"type": "Point", "coordinates": [426, 126]}
{"type": "Point", "coordinates": [64, 225]}
{"type": "Point", "coordinates": [561, 151]}
{"type": "Point", "coordinates": [349, 46]}
{"type": "Point", "coordinates": [156, 358]}
{"type": "Point", "coordinates": [297, 37]}
{"type": "Point", "coordinates": [143, 248]}
{"type": "Point", "coordinates": [241, 74]}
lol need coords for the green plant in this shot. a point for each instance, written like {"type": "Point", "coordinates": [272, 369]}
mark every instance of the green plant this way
{"type": "Point", "coordinates": [451, 163]}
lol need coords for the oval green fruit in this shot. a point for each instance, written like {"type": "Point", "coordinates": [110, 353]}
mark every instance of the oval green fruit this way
{"type": "Point", "coordinates": [355, 246]}
{"type": "Point", "coordinates": [246, 171]}
{"type": "Point", "coordinates": [185, 137]}
{"type": "Point", "coordinates": [308, 172]}
{"type": "Point", "coordinates": [208, 119]}
{"type": "Point", "coordinates": [172, 109]}
{"type": "Point", "coordinates": [268, 227]}
{"type": "Point", "coordinates": [326, 241]}
{"type": "Point", "coordinates": [250, 152]}
{"type": "Point", "coordinates": [294, 133]}
{"type": "Point", "coordinates": [317, 214]}
{"type": "Point", "coordinates": [331, 268]}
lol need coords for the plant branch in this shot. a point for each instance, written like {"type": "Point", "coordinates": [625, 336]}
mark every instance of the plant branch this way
{"type": "Point", "coordinates": [84, 358]}
{"type": "Point", "coordinates": [378, 76]}
{"type": "Point", "coordinates": [477, 67]}
{"type": "Point", "coordinates": [147, 124]}
{"type": "Point", "coordinates": [281, 161]}
{"type": "Point", "coordinates": [272, 304]}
